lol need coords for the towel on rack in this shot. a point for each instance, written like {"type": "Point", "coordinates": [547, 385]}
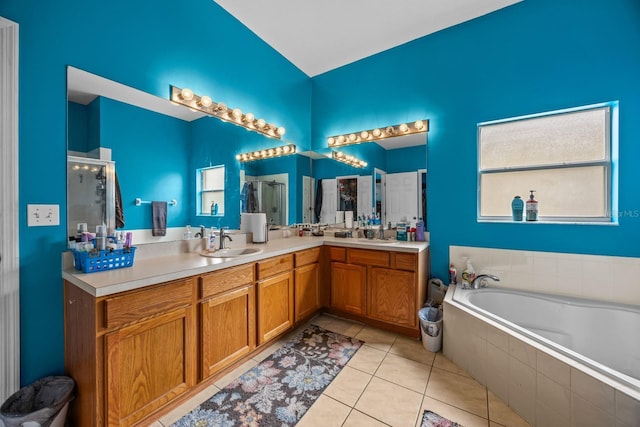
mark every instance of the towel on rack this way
{"type": "Point", "coordinates": [159, 218]}
{"type": "Point", "coordinates": [119, 207]}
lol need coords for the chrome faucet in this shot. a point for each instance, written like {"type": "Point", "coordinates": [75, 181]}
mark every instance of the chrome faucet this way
{"type": "Point", "coordinates": [201, 234]}
{"type": "Point", "coordinates": [480, 281]}
{"type": "Point", "coordinates": [222, 237]}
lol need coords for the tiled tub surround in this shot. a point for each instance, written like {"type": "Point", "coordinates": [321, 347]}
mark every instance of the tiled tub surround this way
{"type": "Point", "coordinates": [540, 383]}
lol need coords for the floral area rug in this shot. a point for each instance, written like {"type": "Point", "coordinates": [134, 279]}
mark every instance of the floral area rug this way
{"type": "Point", "coordinates": [280, 389]}
{"type": "Point", "coordinates": [431, 419]}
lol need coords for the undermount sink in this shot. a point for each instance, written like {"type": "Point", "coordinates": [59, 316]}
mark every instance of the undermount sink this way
{"type": "Point", "coordinates": [387, 241]}
{"type": "Point", "coordinates": [231, 252]}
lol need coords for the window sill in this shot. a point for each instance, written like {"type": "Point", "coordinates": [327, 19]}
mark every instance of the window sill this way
{"type": "Point", "coordinates": [211, 216]}
{"type": "Point", "coordinates": [508, 221]}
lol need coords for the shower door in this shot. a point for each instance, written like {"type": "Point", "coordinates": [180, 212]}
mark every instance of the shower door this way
{"type": "Point", "coordinates": [90, 193]}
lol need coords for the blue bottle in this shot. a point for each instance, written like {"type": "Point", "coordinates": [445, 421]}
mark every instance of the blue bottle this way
{"type": "Point", "coordinates": [517, 206]}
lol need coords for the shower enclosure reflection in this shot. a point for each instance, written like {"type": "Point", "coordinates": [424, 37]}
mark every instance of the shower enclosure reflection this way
{"type": "Point", "coordinates": [90, 193]}
{"type": "Point", "coordinates": [268, 197]}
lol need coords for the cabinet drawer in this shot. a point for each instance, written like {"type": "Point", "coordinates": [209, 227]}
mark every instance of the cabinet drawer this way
{"type": "Point", "coordinates": [361, 256]}
{"type": "Point", "coordinates": [402, 261]}
{"type": "Point", "coordinates": [307, 257]}
{"type": "Point", "coordinates": [148, 302]}
{"type": "Point", "coordinates": [226, 279]}
{"type": "Point", "coordinates": [273, 266]}
{"type": "Point", "coordinates": [337, 254]}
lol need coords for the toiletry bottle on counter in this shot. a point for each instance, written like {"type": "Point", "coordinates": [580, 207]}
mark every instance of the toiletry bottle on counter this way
{"type": "Point", "coordinates": [187, 233]}
{"type": "Point", "coordinates": [212, 241]}
{"type": "Point", "coordinates": [532, 208]}
{"type": "Point", "coordinates": [453, 279]}
{"type": "Point", "coordinates": [517, 206]}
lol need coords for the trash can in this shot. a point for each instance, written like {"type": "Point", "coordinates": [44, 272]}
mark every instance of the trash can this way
{"type": "Point", "coordinates": [42, 403]}
{"type": "Point", "coordinates": [431, 328]}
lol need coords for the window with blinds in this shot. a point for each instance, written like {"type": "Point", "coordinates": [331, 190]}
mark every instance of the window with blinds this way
{"type": "Point", "coordinates": [565, 156]}
{"type": "Point", "coordinates": [211, 189]}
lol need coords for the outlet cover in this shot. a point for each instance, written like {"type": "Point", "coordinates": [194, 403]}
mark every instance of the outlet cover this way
{"type": "Point", "coordinates": [43, 215]}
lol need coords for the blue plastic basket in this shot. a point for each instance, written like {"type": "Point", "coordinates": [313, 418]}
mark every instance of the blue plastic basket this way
{"type": "Point", "coordinates": [91, 262]}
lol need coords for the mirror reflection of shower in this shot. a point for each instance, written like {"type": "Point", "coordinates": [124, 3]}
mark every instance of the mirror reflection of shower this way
{"type": "Point", "coordinates": [270, 199]}
{"type": "Point", "coordinates": [90, 193]}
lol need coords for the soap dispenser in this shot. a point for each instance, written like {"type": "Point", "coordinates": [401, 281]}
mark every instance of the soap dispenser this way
{"type": "Point", "coordinates": [532, 207]}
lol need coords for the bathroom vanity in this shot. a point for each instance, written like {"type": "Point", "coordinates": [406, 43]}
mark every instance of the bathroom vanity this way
{"type": "Point", "coordinates": [141, 340]}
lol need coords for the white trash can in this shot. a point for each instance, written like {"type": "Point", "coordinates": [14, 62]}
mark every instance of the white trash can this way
{"type": "Point", "coordinates": [431, 330]}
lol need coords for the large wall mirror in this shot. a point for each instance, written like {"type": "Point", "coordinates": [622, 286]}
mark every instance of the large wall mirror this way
{"type": "Point", "coordinates": [392, 186]}
{"type": "Point", "coordinates": [125, 145]}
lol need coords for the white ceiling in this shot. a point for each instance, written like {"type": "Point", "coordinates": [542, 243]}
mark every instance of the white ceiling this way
{"type": "Point", "coordinates": [318, 36]}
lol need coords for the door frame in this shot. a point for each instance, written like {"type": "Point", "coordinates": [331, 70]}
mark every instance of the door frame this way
{"type": "Point", "coordinates": [9, 223]}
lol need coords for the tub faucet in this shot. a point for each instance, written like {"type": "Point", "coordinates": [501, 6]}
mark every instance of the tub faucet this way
{"type": "Point", "coordinates": [480, 281]}
{"type": "Point", "coordinates": [222, 237]}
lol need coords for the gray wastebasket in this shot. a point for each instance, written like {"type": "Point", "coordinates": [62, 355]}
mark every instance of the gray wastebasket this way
{"type": "Point", "coordinates": [42, 403]}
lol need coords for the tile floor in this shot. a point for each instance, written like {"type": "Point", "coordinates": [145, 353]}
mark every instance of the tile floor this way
{"type": "Point", "coordinates": [390, 381]}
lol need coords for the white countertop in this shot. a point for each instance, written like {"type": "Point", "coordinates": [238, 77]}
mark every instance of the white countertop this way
{"type": "Point", "coordinates": [152, 270]}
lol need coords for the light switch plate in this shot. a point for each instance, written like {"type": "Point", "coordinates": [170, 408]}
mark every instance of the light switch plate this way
{"type": "Point", "coordinates": [42, 215]}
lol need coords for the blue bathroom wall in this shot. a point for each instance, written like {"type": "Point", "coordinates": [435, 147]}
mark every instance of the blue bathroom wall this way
{"type": "Point", "coordinates": [78, 127]}
{"type": "Point", "coordinates": [152, 161]}
{"type": "Point", "coordinates": [531, 57]}
{"type": "Point", "coordinates": [147, 45]}
{"type": "Point", "coordinates": [406, 159]}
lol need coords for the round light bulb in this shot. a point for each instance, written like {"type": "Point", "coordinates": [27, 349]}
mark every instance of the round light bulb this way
{"type": "Point", "coordinates": [94, 169]}
{"type": "Point", "coordinates": [261, 123]}
{"type": "Point", "coordinates": [404, 128]}
{"type": "Point", "coordinates": [75, 167]}
{"type": "Point", "coordinates": [419, 124]}
{"type": "Point", "coordinates": [249, 118]}
{"type": "Point", "coordinates": [286, 149]}
{"type": "Point", "coordinates": [238, 157]}
{"type": "Point", "coordinates": [377, 133]}
{"type": "Point", "coordinates": [278, 150]}
{"type": "Point", "coordinates": [390, 130]}
{"type": "Point", "coordinates": [364, 134]}
{"type": "Point", "coordinates": [352, 137]}
{"type": "Point", "coordinates": [280, 131]}
{"type": "Point", "coordinates": [256, 154]}
{"type": "Point", "coordinates": [236, 113]}
{"type": "Point", "coordinates": [85, 167]}
{"type": "Point", "coordinates": [341, 139]}
{"type": "Point", "coordinates": [271, 151]}
{"type": "Point", "coordinates": [263, 153]}
{"type": "Point", "coordinates": [186, 94]}
{"type": "Point", "coordinates": [339, 154]}
{"type": "Point", "coordinates": [205, 101]}
{"type": "Point", "coordinates": [331, 141]}
{"type": "Point", "coordinates": [364, 164]}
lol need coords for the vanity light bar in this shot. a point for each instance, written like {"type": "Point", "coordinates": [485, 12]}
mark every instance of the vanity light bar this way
{"type": "Point", "coordinates": [220, 110]}
{"type": "Point", "coordinates": [419, 126]}
{"type": "Point", "coordinates": [348, 159]}
{"type": "Point", "coordinates": [267, 153]}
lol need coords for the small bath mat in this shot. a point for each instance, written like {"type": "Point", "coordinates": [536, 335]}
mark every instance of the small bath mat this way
{"type": "Point", "coordinates": [431, 419]}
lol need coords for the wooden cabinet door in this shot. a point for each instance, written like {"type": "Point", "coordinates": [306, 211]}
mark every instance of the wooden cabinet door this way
{"type": "Point", "coordinates": [348, 287]}
{"type": "Point", "coordinates": [392, 296]}
{"type": "Point", "coordinates": [307, 299]}
{"type": "Point", "coordinates": [149, 364]}
{"type": "Point", "coordinates": [275, 306]}
{"type": "Point", "coordinates": [228, 328]}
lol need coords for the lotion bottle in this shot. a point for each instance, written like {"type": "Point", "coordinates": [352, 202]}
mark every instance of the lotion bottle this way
{"type": "Point", "coordinates": [532, 207]}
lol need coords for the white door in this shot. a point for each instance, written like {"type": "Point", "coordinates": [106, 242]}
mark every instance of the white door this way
{"type": "Point", "coordinates": [365, 195]}
{"type": "Point", "coordinates": [329, 201]}
{"type": "Point", "coordinates": [402, 197]}
{"type": "Point", "coordinates": [308, 201]}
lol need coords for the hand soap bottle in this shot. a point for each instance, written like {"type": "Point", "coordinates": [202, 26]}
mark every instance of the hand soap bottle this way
{"type": "Point", "coordinates": [517, 206]}
{"type": "Point", "coordinates": [532, 208]}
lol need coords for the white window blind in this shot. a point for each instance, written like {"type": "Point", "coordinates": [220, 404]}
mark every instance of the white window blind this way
{"type": "Point", "coordinates": [564, 156]}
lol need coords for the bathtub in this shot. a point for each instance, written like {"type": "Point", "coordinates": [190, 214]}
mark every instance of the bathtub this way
{"type": "Point", "coordinates": [555, 360]}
